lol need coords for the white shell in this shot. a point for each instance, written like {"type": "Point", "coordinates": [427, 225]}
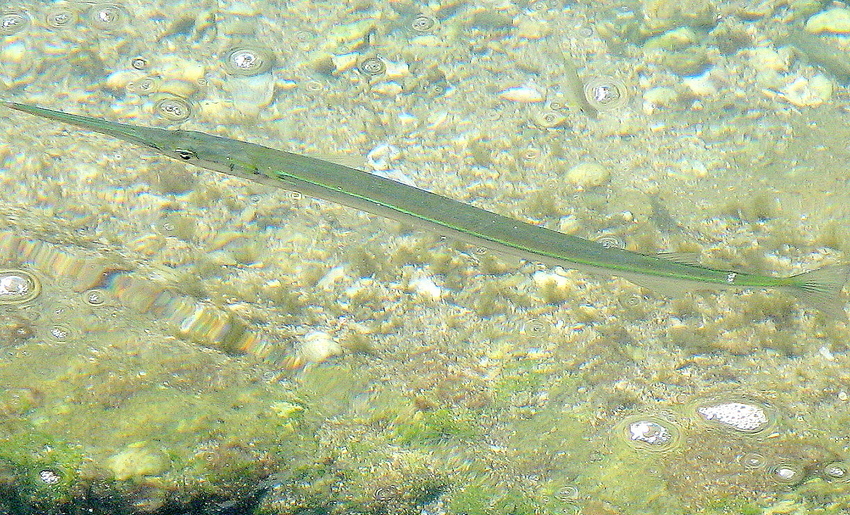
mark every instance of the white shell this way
{"type": "Point", "coordinates": [526, 94]}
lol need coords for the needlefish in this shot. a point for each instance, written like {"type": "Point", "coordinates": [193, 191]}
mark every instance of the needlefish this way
{"type": "Point", "coordinates": [819, 288]}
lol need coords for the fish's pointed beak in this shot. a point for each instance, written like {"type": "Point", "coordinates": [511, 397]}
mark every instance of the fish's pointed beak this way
{"type": "Point", "coordinates": [146, 136]}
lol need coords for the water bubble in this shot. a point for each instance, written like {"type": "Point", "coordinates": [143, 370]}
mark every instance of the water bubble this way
{"type": "Point", "coordinates": [611, 242]}
{"type": "Point", "coordinates": [12, 22]}
{"type": "Point", "coordinates": [437, 89]}
{"type": "Point", "coordinates": [386, 493]}
{"type": "Point", "coordinates": [567, 493]}
{"type": "Point", "coordinates": [95, 297]}
{"type": "Point", "coordinates": [550, 120]}
{"type": "Point", "coordinates": [372, 66]}
{"type": "Point", "coordinates": [787, 473]}
{"type": "Point", "coordinates": [837, 471]}
{"type": "Point", "coordinates": [632, 301]}
{"type": "Point", "coordinates": [144, 86]}
{"type": "Point", "coordinates": [605, 93]}
{"type": "Point", "coordinates": [167, 227]}
{"type": "Point", "coordinates": [423, 23]}
{"type": "Point", "coordinates": [175, 109]}
{"type": "Point", "coordinates": [139, 63]}
{"type": "Point", "coordinates": [584, 31]}
{"type": "Point", "coordinates": [314, 86]}
{"type": "Point", "coordinates": [107, 17]}
{"type": "Point", "coordinates": [248, 60]}
{"type": "Point", "coordinates": [535, 328]}
{"type": "Point", "coordinates": [18, 286]}
{"type": "Point", "coordinates": [556, 105]}
{"type": "Point", "coordinates": [738, 415]}
{"type": "Point", "coordinates": [752, 461]}
{"type": "Point", "coordinates": [650, 433]}
{"type": "Point", "coordinates": [60, 332]}
{"type": "Point", "coordinates": [60, 17]}
{"type": "Point", "coordinates": [303, 36]}
{"type": "Point", "coordinates": [531, 154]}
{"type": "Point", "coordinates": [539, 5]}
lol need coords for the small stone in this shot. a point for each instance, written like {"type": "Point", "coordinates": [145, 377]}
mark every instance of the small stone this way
{"type": "Point", "coordinates": [768, 59]}
{"type": "Point", "coordinates": [117, 81]}
{"type": "Point", "coordinates": [396, 70]}
{"type": "Point", "coordinates": [687, 62]}
{"type": "Point", "coordinates": [426, 288]}
{"type": "Point", "coordinates": [588, 175]}
{"type": "Point", "coordinates": [676, 39]}
{"type": "Point", "coordinates": [533, 29]}
{"type": "Point", "coordinates": [13, 53]}
{"type": "Point", "coordinates": [388, 89]}
{"type": "Point", "coordinates": [318, 346]}
{"type": "Point", "coordinates": [833, 21]}
{"type": "Point", "coordinates": [179, 88]}
{"type": "Point", "coordinates": [755, 10]}
{"type": "Point", "coordinates": [341, 63]}
{"type": "Point", "coordinates": [804, 92]}
{"type": "Point", "coordinates": [661, 96]}
{"type": "Point", "coordinates": [135, 461]}
{"type": "Point", "coordinates": [182, 69]}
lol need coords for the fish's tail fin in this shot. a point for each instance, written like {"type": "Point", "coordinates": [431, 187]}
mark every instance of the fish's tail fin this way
{"type": "Point", "coordinates": [821, 289]}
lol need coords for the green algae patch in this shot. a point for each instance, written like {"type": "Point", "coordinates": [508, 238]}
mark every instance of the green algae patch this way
{"type": "Point", "coordinates": [484, 498]}
{"type": "Point", "coordinates": [41, 469]}
{"type": "Point", "coordinates": [431, 426]}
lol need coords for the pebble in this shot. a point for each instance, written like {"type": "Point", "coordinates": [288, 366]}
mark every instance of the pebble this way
{"type": "Point", "coordinates": [660, 96]}
{"type": "Point", "coordinates": [251, 94]}
{"type": "Point", "coordinates": [14, 53]}
{"type": "Point", "coordinates": [136, 461]}
{"type": "Point", "coordinates": [768, 59]}
{"type": "Point", "coordinates": [676, 39]}
{"type": "Point", "coordinates": [588, 175]}
{"type": "Point", "coordinates": [317, 346]}
{"type": "Point", "coordinates": [388, 89]}
{"type": "Point", "coordinates": [533, 29]}
{"type": "Point", "coordinates": [117, 81]}
{"type": "Point", "coordinates": [832, 21]}
{"type": "Point", "coordinates": [804, 92]}
{"type": "Point", "coordinates": [345, 62]}
{"type": "Point", "coordinates": [175, 67]}
{"type": "Point", "coordinates": [426, 288]}
{"type": "Point", "coordinates": [545, 279]}
{"type": "Point", "coordinates": [396, 70]}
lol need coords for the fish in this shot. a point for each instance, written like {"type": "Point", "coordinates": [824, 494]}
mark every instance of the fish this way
{"type": "Point", "coordinates": [819, 288]}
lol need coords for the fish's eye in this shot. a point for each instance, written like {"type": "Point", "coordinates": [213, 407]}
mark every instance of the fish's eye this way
{"type": "Point", "coordinates": [186, 155]}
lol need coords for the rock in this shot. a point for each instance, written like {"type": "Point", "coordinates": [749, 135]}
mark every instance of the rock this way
{"type": "Point", "coordinates": [588, 175]}
{"type": "Point", "coordinates": [832, 21]}
{"type": "Point", "coordinates": [661, 96]}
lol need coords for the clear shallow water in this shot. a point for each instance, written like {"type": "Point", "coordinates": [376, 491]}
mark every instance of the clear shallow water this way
{"type": "Point", "coordinates": [243, 340]}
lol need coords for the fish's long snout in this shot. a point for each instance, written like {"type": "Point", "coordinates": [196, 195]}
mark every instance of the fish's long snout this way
{"type": "Point", "coordinates": [147, 136]}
